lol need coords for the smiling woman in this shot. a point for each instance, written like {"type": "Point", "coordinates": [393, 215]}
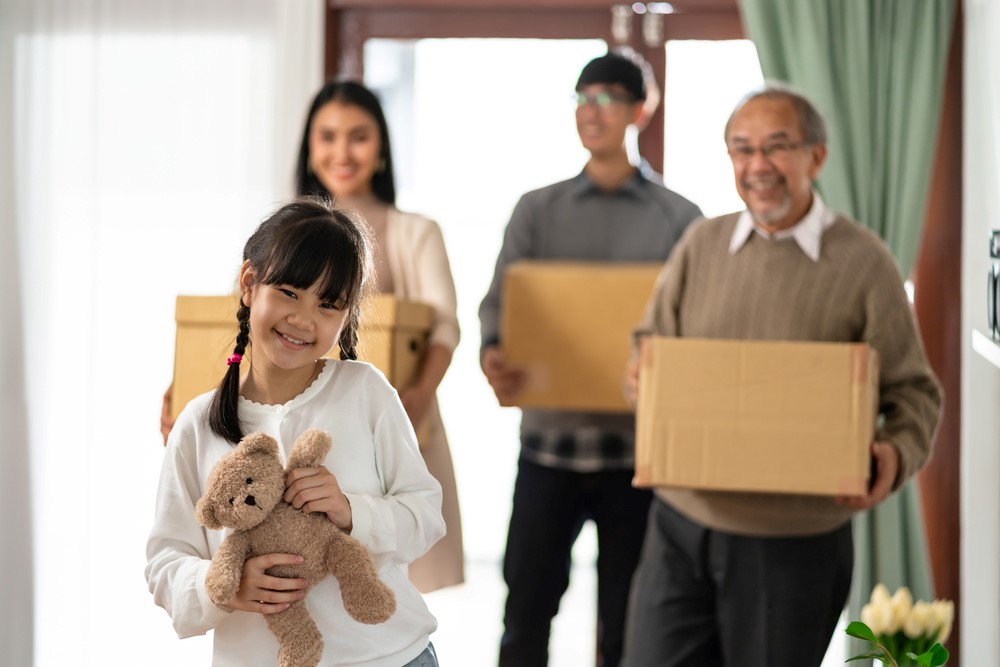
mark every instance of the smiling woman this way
{"type": "Point", "coordinates": [345, 154]}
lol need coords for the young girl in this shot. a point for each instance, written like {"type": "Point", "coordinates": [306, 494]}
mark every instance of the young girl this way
{"type": "Point", "coordinates": [345, 154]}
{"type": "Point", "coordinates": [304, 276]}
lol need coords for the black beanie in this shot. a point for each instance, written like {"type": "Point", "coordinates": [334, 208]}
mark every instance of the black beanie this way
{"type": "Point", "coordinates": [614, 68]}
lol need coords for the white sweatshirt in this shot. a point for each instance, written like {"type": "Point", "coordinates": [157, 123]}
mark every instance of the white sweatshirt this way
{"type": "Point", "coordinates": [396, 506]}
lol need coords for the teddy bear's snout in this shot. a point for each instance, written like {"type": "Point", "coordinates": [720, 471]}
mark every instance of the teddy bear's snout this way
{"type": "Point", "coordinates": [251, 500]}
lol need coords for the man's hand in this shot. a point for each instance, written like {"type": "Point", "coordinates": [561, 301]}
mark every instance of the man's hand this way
{"type": "Point", "coordinates": [886, 460]}
{"type": "Point", "coordinates": [507, 382]}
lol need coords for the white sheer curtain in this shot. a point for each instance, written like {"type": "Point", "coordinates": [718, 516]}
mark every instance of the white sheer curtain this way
{"type": "Point", "coordinates": [16, 603]}
{"type": "Point", "coordinates": [149, 138]}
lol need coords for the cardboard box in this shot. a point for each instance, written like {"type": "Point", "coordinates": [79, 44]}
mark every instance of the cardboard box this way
{"type": "Point", "coordinates": [393, 338]}
{"type": "Point", "coordinates": [206, 334]}
{"type": "Point", "coordinates": [569, 325]}
{"type": "Point", "coordinates": [788, 417]}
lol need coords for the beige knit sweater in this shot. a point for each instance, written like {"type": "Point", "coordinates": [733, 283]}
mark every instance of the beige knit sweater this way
{"type": "Point", "coordinates": [770, 290]}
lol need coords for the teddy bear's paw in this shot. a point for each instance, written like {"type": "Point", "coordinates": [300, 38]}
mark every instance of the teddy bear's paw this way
{"type": "Point", "coordinates": [310, 449]}
{"type": "Point", "coordinates": [299, 640]}
{"type": "Point", "coordinates": [220, 588]}
{"type": "Point", "coordinates": [373, 604]}
{"type": "Point", "coordinates": [220, 592]}
{"type": "Point", "coordinates": [300, 656]}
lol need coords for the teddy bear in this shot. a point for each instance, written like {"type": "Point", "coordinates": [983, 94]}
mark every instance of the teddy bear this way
{"type": "Point", "coordinates": [244, 493]}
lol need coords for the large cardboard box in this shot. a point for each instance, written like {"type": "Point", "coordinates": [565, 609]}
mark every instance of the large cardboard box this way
{"type": "Point", "coordinates": [568, 325]}
{"type": "Point", "coordinates": [393, 338]}
{"type": "Point", "coordinates": [788, 417]}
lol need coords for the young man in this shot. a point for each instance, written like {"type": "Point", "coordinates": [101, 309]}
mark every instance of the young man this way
{"type": "Point", "coordinates": [756, 579]}
{"type": "Point", "coordinates": [576, 466]}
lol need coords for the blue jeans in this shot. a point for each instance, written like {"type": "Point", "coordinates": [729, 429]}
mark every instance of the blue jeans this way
{"type": "Point", "coordinates": [426, 659]}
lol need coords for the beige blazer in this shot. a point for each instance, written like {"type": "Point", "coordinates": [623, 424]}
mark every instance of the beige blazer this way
{"type": "Point", "coordinates": [421, 272]}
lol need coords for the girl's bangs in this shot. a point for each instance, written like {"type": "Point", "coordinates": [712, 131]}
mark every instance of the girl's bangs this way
{"type": "Point", "coordinates": [315, 253]}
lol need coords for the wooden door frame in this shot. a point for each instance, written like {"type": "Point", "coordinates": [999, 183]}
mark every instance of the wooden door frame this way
{"type": "Point", "coordinates": [349, 23]}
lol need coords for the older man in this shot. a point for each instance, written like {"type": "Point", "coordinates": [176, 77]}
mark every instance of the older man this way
{"type": "Point", "coordinates": [753, 579]}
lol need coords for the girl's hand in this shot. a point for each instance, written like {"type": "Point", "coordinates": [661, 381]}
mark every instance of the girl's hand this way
{"type": "Point", "coordinates": [263, 594]}
{"type": "Point", "coordinates": [317, 490]}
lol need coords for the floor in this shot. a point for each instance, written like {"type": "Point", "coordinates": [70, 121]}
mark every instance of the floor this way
{"type": "Point", "coordinates": [469, 619]}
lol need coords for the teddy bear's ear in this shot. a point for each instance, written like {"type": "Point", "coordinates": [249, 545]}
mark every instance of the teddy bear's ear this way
{"type": "Point", "coordinates": [258, 443]}
{"type": "Point", "coordinates": [204, 511]}
{"type": "Point", "coordinates": [310, 449]}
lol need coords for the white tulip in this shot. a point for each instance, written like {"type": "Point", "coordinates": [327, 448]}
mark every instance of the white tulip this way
{"type": "Point", "coordinates": [880, 595]}
{"type": "Point", "coordinates": [944, 614]}
{"type": "Point", "coordinates": [878, 616]}
{"type": "Point", "coordinates": [901, 604]}
{"type": "Point", "coordinates": [921, 621]}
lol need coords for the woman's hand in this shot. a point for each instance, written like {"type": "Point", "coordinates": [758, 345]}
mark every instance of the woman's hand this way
{"type": "Point", "coordinates": [166, 421]}
{"type": "Point", "coordinates": [417, 403]}
{"type": "Point", "coordinates": [317, 490]}
{"type": "Point", "coordinates": [261, 593]}
{"type": "Point", "coordinates": [632, 381]}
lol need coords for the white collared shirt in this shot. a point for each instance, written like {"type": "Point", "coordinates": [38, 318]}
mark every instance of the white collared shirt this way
{"type": "Point", "coordinates": [807, 232]}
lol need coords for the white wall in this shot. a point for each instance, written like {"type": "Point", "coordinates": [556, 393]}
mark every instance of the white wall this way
{"type": "Point", "coordinates": [980, 612]}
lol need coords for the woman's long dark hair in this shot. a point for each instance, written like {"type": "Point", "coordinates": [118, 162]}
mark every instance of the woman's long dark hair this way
{"type": "Point", "coordinates": [304, 243]}
{"type": "Point", "coordinates": [353, 94]}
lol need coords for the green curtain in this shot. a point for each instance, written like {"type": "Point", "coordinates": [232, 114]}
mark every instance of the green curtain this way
{"type": "Point", "coordinates": [875, 69]}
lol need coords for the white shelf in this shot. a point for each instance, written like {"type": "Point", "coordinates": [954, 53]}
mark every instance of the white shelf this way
{"type": "Point", "coordinates": [988, 348]}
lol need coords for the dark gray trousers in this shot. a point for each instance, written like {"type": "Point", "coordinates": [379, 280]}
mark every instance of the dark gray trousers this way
{"type": "Point", "coordinates": [702, 598]}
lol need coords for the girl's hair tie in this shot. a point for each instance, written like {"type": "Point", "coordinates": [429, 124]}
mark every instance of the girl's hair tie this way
{"type": "Point", "coordinates": [234, 359]}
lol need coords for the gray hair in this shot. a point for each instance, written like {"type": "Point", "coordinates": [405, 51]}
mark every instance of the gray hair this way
{"type": "Point", "coordinates": [811, 121]}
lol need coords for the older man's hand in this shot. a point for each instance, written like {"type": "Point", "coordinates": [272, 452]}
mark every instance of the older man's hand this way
{"type": "Point", "coordinates": [886, 459]}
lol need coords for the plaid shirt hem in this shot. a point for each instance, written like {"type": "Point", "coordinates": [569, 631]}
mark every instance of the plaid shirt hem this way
{"type": "Point", "coordinates": [583, 450]}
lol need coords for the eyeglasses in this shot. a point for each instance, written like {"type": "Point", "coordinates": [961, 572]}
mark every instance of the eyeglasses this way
{"type": "Point", "coordinates": [601, 100]}
{"type": "Point", "coordinates": [775, 151]}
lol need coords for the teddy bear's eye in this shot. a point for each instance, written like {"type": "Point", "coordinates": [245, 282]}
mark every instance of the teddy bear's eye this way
{"type": "Point", "coordinates": [231, 500]}
{"type": "Point", "coordinates": [249, 480]}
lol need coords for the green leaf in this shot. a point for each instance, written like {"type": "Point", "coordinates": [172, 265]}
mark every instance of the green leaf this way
{"type": "Point", "coordinates": [874, 655]}
{"type": "Point", "coordinates": [936, 656]}
{"type": "Point", "coordinates": [939, 655]}
{"type": "Point", "coordinates": [859, 630]}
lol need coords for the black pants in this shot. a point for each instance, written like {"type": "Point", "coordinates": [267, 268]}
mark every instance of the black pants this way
{"type": "Point", "coordinates": [550, 507]}
{"type": "Point", "coordinates": [702, 598]}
